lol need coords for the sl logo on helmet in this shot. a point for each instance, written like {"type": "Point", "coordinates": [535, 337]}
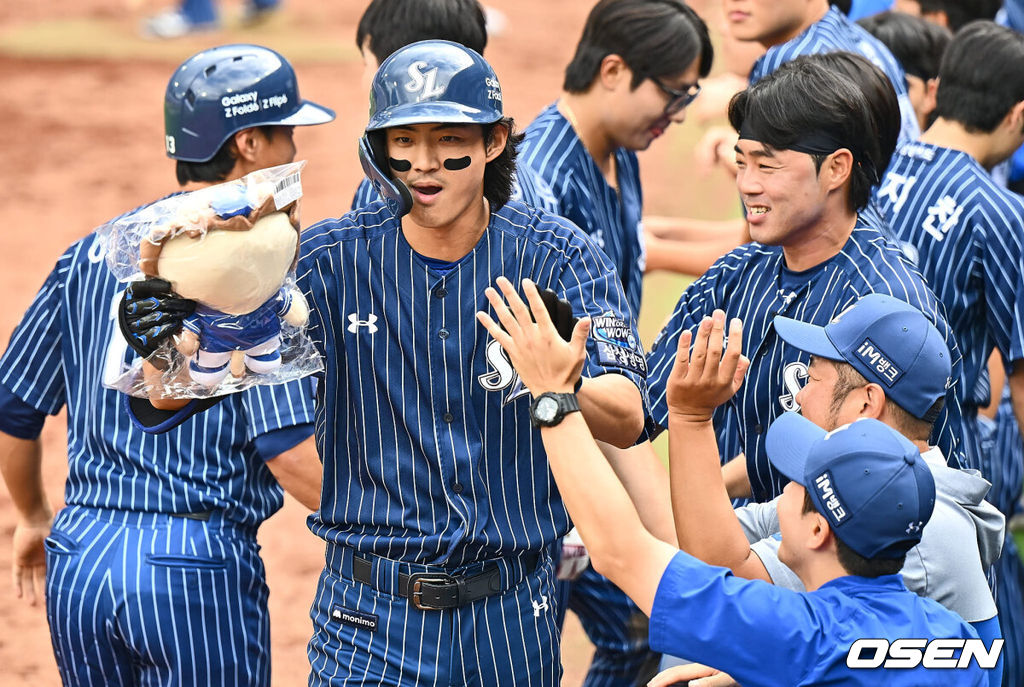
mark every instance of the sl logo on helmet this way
{"type": "Point", "coordinates": [424, 82]}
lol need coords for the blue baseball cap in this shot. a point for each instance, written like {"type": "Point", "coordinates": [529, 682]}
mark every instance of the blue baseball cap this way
{"type": "Point", "coordinates": [868, 481]}
{"type": "Point", "coordinates": [888, 341]}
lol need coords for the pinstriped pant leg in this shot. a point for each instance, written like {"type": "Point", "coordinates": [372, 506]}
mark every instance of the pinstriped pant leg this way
{"type": "Point", "coordinates": [511, 638]}
{"type": "Point", "coordinates": [618, 629]}
{"type": "Point", "coordinates": [195, 609]}
{"type": "Point", "coordinates": [1010, 604]}
{"type": "Point", "coordinates": [79, 603]}
{"type": "Point", "coordinates": [404, 647]}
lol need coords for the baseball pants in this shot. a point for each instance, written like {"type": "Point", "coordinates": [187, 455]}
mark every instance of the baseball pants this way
{"type": "Point", "coordinates": [155, 599]}
{"type": "Point", "coordinates": [365, 632]}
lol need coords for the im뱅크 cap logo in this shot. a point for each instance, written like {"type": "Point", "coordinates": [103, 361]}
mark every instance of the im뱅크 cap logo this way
{"type": "Point", "coordinates": [829, 497]}
{"type": "Point", "coordinates": [878, 362]}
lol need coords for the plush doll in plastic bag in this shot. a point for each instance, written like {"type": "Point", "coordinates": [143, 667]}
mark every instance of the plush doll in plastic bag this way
{"type": "Point", "coordinates": [230, 248]}
{"type": "Point", "coordinates": [237, 322]}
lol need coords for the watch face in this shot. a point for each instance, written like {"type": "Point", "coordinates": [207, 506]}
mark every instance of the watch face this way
{"type": "Point", "coordinates": [546, 409]}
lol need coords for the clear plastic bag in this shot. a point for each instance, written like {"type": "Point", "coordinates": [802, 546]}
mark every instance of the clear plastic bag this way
{"type": "Point", "coordinates": [232, 248]}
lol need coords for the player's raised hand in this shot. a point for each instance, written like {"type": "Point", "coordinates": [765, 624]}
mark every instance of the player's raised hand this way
{"type": "Point", "coordinates": [708, 376]}
{"type": "Point", "coordinates": [544, 360]}
{"type": "Point", "coordinates": [28, 564]}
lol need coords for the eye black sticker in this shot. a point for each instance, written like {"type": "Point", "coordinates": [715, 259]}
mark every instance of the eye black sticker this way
{"type": "Point", "coordinates": [454, 164]}
{"type": "Point", "coordinates": [399, 165]}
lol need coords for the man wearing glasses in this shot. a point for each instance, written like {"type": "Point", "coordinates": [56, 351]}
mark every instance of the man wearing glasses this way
{"type": "Point", "coordinates": [635, 70]}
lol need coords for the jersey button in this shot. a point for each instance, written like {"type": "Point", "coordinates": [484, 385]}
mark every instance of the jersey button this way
{"type": "Point", "coordinates": [758, 429]}
{"type": "Point", "coordinates": [448, 417]}
{"type": "Point", "coordinates": [443, 334]}
{"type": "Point", "coordinates": [457, 488]}
{"type": "Point", "coordinates": [440, 292]}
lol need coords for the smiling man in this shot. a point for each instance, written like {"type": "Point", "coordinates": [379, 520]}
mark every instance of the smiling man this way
{"type": "Point", "coordinates": [808, 153]}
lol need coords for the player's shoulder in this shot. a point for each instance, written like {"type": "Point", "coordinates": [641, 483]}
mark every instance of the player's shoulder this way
{"type": "Point", "coordinates": [372, 220]}
{"type": "Point", "coordinates": [743, 260]}
{"type": "Point", "coordinates": [551, 147]}
{"type": "Point", "coordinates": [962, 178]}
{"type": "Point", "coordinates": [543, 230]}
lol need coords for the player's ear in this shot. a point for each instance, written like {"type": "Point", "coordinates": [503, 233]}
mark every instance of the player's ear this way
{"type": "Point", "coordinates": [498, 141]}
{"type": "Point", "coordinates": [836, 169]}
{"type": "Point", "coordinates": [247, 143]}
{"type": "Point", "coordinates": [612, 72]}
{"type": "Point", "coordinates": [1015, 118]}
{"type": "Point", "coordinates": [874, 401]}
{"type": "Point", "coordinates": [819, 535]}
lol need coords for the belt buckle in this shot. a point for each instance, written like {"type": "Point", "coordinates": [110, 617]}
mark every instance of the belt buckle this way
{"type": "Point", "coordinates": [416, 581]}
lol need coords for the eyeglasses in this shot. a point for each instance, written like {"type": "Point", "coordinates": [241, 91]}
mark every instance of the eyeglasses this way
{"type": "Point", "coordinates": [677, 100]}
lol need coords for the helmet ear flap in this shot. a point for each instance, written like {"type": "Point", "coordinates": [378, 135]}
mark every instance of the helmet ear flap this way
{"type": "Point", "coordinates": [373, 158]}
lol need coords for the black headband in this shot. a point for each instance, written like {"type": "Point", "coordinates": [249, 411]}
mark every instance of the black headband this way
{"type": "Point", "coordinates": [816, 142]}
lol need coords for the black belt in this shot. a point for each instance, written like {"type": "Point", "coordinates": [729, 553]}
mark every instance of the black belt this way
{"type": "Point", "coordinates": [439, 591]}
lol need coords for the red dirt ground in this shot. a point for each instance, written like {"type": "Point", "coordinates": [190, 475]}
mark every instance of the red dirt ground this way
{"type": "Point", "coordinates": [81, 142]}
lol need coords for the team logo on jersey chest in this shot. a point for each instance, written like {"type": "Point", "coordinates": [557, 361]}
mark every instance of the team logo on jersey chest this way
{"type": "Point", "coordinates": [794, 376]}
{"type": "Point", "coordinates": [500, 374]}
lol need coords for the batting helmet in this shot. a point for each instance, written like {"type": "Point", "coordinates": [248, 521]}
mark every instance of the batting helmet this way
{"type": "Point", "coordinates": [223, 90]}
{"type": "Point", "coordinates": [426, 82]}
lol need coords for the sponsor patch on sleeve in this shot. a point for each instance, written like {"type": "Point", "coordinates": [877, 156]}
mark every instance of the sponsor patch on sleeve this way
{"type": "Point", "coordinates": [617, 345]}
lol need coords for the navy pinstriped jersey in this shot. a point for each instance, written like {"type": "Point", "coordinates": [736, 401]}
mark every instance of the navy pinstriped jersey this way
{"type": "Point", "coordinates": [554, 152]}
{"type": "Point", "coordinates": [526, 188]}
{"type": "Point", "coordinates": [835, 32]}
{"type": "Point", "coordinates": [751, 283]}
{"type": "Point", "coordinates": [966, 234]}
{"type": "Point", "coordinates": [68, 343]}
{"type": "Point", "coordinates": [422, 423]}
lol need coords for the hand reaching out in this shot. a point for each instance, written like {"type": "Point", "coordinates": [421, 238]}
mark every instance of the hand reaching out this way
{"type": "Point", "coordinates": [707, 377]}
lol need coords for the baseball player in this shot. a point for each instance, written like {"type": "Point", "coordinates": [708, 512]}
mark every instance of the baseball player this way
{"type": "Point", "coordinates": [438, 509]}
{"type": "Point", "coordinates": [966, 234]}
{"type": "Point", "coordinates": [918, 45]}
{"type": "Point", "coordinates": [635, 70]}
{"type": "Point", "coordinates": [845, 383]}
{"type": "Point", "coordinates": [804, 173]}
{"type": "Point", "coordinates": [846, 539]}
{"type": "Point", "coordinates": [387, 25]}
{"type": "Point", "coordinates": [152, 571]}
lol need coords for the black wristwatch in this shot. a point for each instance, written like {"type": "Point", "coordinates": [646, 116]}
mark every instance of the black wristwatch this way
{"type": "Point", "coordinates": [549, 408]}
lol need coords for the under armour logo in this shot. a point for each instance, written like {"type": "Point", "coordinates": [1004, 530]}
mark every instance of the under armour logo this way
{"type": "Point", "coordinates": [915, 527]}
{"type": "Point", "coordinates": [355, 323]}
{"type": "Point", "coordinates": [538, 607]}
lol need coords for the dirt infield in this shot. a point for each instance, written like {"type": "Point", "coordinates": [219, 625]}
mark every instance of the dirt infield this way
{"type": "Point", "coordinates": [82, 141]}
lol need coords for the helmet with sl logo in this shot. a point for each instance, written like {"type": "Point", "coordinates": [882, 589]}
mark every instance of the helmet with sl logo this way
{"type": "Point", "coordinates": [425, 82]}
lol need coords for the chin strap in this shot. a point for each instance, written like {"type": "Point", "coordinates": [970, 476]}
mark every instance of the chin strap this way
{"type": "Point", "coordinates": [392, 191]}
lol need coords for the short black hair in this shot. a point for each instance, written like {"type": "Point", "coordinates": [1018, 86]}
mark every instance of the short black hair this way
{"type": "Point", "coordinates": [878, 91]}
{"type": "Point", "coordinates": [959, 13]}
{"type": "Point", "coordinates": [981, 77]}
{"type": "Point", "coordinates": [917, 44]}
{"type": "Point", "coordinates": [655, 38]}
{"type": "Point", "coordinates": [897, 417]}
{"type": "Point", "coordinates": [803, 96]}
{"type": "Point", "coordinates": [217, 168]}
{"type": "Point", "coordinates": [394, 24]}
{"type": "Point", "coordinates": [853, 562]}
{"type": "Point", "coordinates": [843, 6]}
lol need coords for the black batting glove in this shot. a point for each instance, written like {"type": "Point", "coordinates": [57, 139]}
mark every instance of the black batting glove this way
{"type": "Point", "coordinates": [149, 313]}
{"type": "Point", "coordinates": [560, 312]}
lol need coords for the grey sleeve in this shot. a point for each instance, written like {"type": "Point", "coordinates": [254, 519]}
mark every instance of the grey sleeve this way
{"type": "Point", "coordinates": [768, 551]}
{"type": "Point", "coordinates": [759, 520]}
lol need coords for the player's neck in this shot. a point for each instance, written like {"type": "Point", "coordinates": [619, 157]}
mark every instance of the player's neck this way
{"type": "Point", "coordinates": [583, 112]}
{"type": "Point", "coordinates": [947, 133]}
{"type": "Point", "coordinates": [452, 241]}
{"type": "Point", "coordinates": [820, 568]}
{"type": "Point", "coordinates": [815, 13]}
{"type": "Point", "coordinates": [820, 241]}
